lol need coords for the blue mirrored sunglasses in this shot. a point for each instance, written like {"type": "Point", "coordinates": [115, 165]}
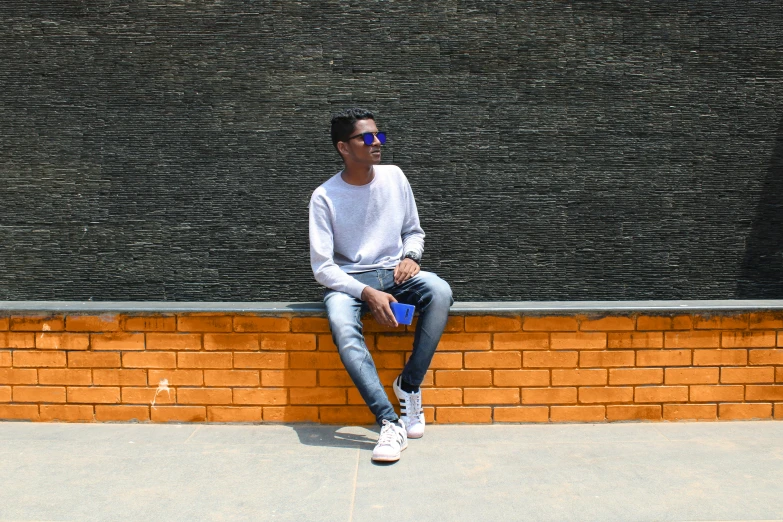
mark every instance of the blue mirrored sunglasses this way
{"type": "Point", "coordinates": [369, 137]}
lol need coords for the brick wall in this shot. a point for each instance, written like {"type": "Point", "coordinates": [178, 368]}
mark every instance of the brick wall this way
{"type": "Point", "coordinates": [221, 367]}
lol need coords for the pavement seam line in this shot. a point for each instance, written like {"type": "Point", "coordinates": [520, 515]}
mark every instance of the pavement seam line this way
{"type": "Point", "coordinates": [355, 480]}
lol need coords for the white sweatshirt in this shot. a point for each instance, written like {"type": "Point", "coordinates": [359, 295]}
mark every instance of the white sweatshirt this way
{"type": "Point", "coordinates": [356, 228]}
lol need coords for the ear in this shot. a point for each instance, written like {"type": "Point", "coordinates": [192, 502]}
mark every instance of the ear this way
{"type": "Point", "coordinates": [342, 147]}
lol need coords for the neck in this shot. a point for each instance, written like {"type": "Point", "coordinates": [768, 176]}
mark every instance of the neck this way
{"type": "Point", "coordinates": [358, 174]}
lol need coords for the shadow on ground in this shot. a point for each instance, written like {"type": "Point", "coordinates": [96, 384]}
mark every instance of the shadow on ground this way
{"type": "Point", "coordinates": [336, 436]}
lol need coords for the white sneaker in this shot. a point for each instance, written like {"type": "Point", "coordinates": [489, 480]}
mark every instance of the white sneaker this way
{"type": "Point", "coordinates": [411, 410]}
{"type": "Point", "coordinates": [391, 442]}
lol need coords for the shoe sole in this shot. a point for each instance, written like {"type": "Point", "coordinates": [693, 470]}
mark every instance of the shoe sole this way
{"type": "Point", "coordinates": [392, 459]}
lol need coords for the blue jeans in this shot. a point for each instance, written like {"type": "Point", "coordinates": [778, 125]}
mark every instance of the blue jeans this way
{"type": "Point", "coordinates": [431, 296]}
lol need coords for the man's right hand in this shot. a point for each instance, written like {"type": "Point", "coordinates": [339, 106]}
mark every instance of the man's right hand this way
{"type": "Point", "coordinates": [379, 305]}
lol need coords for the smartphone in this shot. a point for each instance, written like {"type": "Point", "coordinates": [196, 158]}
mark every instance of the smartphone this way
{"type": "Point", "coordinates": [402, 312]}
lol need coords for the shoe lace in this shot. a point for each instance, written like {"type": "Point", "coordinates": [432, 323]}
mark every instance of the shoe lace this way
{"type": "Point", "coordinates": [387, 434]}
{"type": "Point", "coordinates": [414, 411]}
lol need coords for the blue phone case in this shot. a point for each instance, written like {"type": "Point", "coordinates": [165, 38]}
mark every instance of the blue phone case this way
{"type": "Point", "coordinates": [402, 312]}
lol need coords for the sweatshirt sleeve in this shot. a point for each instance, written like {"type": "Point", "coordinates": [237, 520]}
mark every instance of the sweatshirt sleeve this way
{"type": "Point", "coordinates": [322, 251]}
{"type": "Point", "coordinates": [412, 234]}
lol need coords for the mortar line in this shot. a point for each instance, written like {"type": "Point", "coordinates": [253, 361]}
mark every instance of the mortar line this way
{"type": "Point", "coordinates": [355, 480]}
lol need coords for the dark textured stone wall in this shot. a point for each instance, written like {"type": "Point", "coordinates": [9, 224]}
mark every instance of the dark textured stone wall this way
{"type": "Point", "coordinates": [557, 150]}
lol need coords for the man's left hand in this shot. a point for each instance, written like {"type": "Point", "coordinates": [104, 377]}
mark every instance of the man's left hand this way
{"type": "Point", "coordinates": [405, 270]}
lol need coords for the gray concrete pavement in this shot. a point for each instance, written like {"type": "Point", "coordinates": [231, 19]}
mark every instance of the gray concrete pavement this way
{"type": "Point", "coordinates": [624, 472]}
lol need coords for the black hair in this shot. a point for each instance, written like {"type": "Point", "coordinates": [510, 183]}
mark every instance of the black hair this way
{"type": "Point", "coordinates": [343, 123]}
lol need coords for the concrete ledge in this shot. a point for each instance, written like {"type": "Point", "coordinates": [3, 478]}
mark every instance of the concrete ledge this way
{"type": "Point", "coordinates": [459, 308]}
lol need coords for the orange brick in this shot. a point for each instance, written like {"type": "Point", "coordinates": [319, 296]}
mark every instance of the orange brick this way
{"type": "Point", "coordinates": [67, 413]}
{"type": "Point", "coordinates": [661, 394]}
{"type": "Point", "coordinates": [155, 323]}
{"type": "Point", "coordinates": [210, 360]}
{"type": "Point", "coordinates": [779, 375]}
{"type": "Point", "coordinates": [93, 360]}
{"type": "Point", "coordinates": [756, 357]}
{"type": "Point", "coordinates": [663, 358]}
{"type": "Point", "coordinates": [234, 414]}
{"type": "Point", "coordinates": [446, 361]}
{"type": "Point", "coordinates": [17, 340]}
{"type": "Point", "coordinates": [578, 341]}
{"type": "Point", "coordinates": [465, 342]}
{"type": "Point", "coordinates": [118, 341]}
{"type": "Point", "coordinates": [310, 325]}
{"type": "Point", "coordinates": [720, 357]}
{"type": "Point", "coordinates": [231, 342]}
{"type": "Point", "coordinates": [550, 359]}
{"type": "Point", "coordinates": [149, 359]}
{"type": "Point", "coordinates": [636, 340]}
{"type": "Point", "coordinates": [62, 341]}
{"type": "Point", "coordinates": [578, 377]}
{"type": "Point", "coordinates": [778, 411]}
{"type": "Point", "coordinates": [301, 378]}
{"type": "Point", "coordinates": [455, 323]}
{"type": "Point", "coordinates": [721, 322]}
{"type": "Point", "coordinates": [463, 415]}
{"type": "Point", "coordinates": [5, 323]}
{"type": "Point", "coordinates": [19, 412]}
{"type": "Point", "coordinates": [399, 342]}
{"type": "Point", "coordinates": [204, 395]}
{"type": "Point", "coordinates": [38, 394]}
{"type": "Point", "coordinates": [177, 377]}
{"type": "Point", "coordinates": [57, 376]}
{"type": "Point", "coordinates": [635, 376]}
{"type": "Point", "coordinates": [692, 375]}
{"type": "Point", "coordinates": [729, 411]}
{"type": "Point", "coordinates": [354, 397]}
{"type": "Point", "coordinates": [603, 394]}
{"type": "Point", "coordinates": [92, 323]}
{"type": "Point", "coordinates": [139, 395]}
{"type": "Point", "coordinates": [764, 393]}
{"type": "Point", "coordinates": [370, 325]}
{"type": "Point", "coordinates": [766, 320]}
{"type": "Point", "coordinates": [179, 413]}
{"type": "Point", "coordinates": [550, 324]}
{"type": "Point", "coordinates": [716, 393]}
{"type": "Point", "coordinates": [262, 396]}
{"type": "Point", "coordinates": [493, 360]}
{"type": "Point", "coordinates": [119, 377]}
{"type": "Point", "coordinates": [578, 413]}
{"type": "Point", "coordinates": [249, 323]}
{"type": "Point", "coordinates": [318, 396]}
{"type": "Point", "coordinates": [122, 413]}
{"type": "Point", "coordinates": [748, 339]}
{"type": "Point", "coordinates": [346, 415]}
{"type": "Point", "coordinates": [173, 341]}
{"type": "Point", "coordinates": [5, 359]}
{"type": "Point", "coordinates": [388, 360]}
{"type": "Point", "coordinates": [461, 378]}
{"type": "Point", "coordinates": [315, 361]}
{"type": "Point", "coordinates": [487, 323]}
{"type": "Point", "coordinates": [521, 414]}
{"type": "Point", "coordinates": [204, 323]}
{"type": "Point", "coordinates": [647, 322]}
{"type": "Point", "coordinates": [633, 412]}
{"type": "Point", "coordinates": [694, 339]}
{"type": "Point", "coordinates": [38, 359]}
{"type": "Point", "coordinates": [521, 377]}
{"type": "Point", "coordinates": [287, 342]}
{"type": "Point", "coordinates": [231, 378]}
{"type": "Point", "coordinates": [548, 395]}
{"type": "Point", "coordinates": [97, 394]}
{"type": "Point", "coordinates": [743, 375]}
{"type": "Point", "coordinates": [41, 323]}
{"type": "Point", "coordinates": [17, 376]}
{"type": "Point", "coordinates": [442, 396]}
{"type": "Point", "coordinates": [325, 342]}
{"type": "Point", "coordinates": [606, 359]}
{"type": "Point", "coordinates": [491, 396]}
{"type": "Point", "coordinates": [331, 378]}
{"type": "Point", "coordinates": [292, 413]}
{"type": "Point", "coordinates": [520, 341]}
{"type": "Point", "coordinates": [5, 394]}
{"type": "Point", "coordinates": [607, 324]}
{"type": "Point", "coordinates": [780, 339]}
{"type": "Point", "coordinates": [703, 412]}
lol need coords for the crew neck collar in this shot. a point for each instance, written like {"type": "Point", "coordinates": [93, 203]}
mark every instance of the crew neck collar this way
{"type": "Point", "coordinates": [345, 183]}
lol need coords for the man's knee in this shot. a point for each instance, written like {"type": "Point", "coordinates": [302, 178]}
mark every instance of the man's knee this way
{"type": "Point", "coordinates": [439, 290]}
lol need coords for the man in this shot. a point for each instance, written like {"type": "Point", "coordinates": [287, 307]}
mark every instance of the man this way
{"type": "Point", "coordinates": [365, 247]}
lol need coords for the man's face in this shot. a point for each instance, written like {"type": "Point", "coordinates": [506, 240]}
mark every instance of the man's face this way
{"type": "Point", "coordinates": [355, 151]}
